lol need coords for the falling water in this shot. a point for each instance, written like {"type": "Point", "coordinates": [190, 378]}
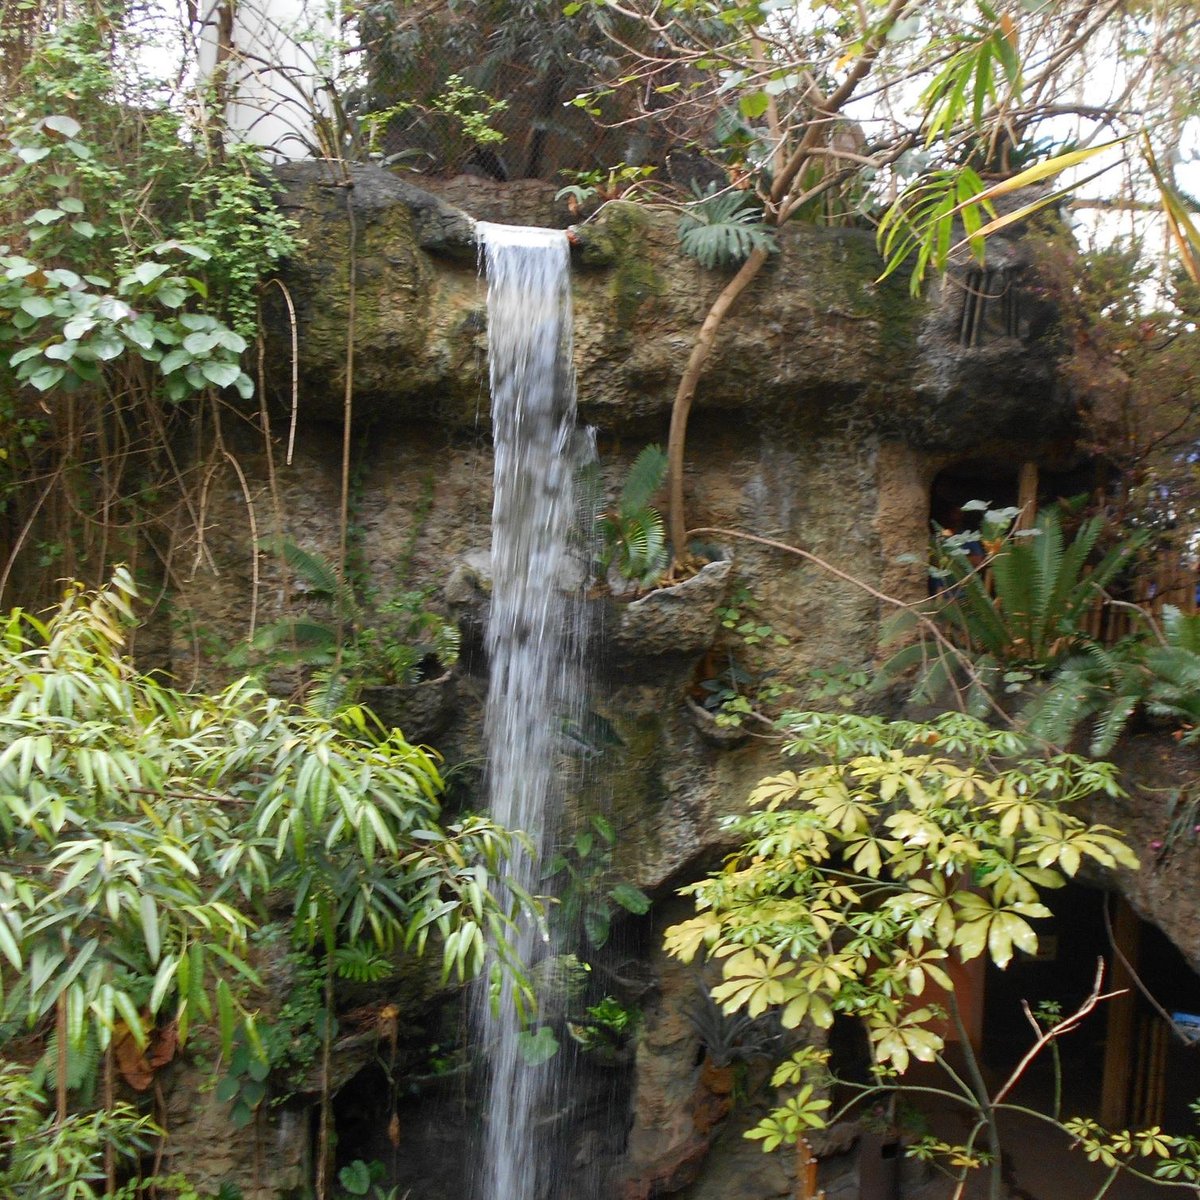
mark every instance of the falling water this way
{"type": "Point", "coordinates": [528, 641]}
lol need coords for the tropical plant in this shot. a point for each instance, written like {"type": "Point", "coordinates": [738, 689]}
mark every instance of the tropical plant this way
{"type": "Point", "coordinates": [896, 851]}
{"type": "Point", "coordinates": [522, 53]}
{"type": "Point", "coordinates": [949, 92]}
{"type": "Point", "coordinates": [1017, 615]}
{"type": "Point", "coordinates": [1158, 675]}
{"type": "Point", "coordinates": [132, 250]}
{"type": "Point", "coordinates": [580, 873]}
{"type": "Point", "coordinates": [729, 687]}
{"type": "Point", "coordinates": [467, 112]}
{"type": "Point", "coordinates": [405, 643]}
{"type": "Point", "coordinates": [361, 643]}
{"type": "Point", "coordinates": [146, 832]}
{"type": "Point", "coordinates": [604, 1026]}
{"type": "Point", "coordinates": [722, 228]}
{"type": "Point", "coordinates": [731, 1037]}
{"type": "Point", "coordinates": [47, 1156]}
{"type": "Point", "coordinates": [632, 538]}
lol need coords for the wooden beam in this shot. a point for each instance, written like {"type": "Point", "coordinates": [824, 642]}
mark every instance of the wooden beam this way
{"type": "Point", "coordinates": [1119, 1040]}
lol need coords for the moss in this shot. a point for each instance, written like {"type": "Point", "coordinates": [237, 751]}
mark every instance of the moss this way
{"type": "Point", "coordinates": [618, 241]}
{"type": "Point", "coordinates": [847, 265]}
{"type": "Point", "coordinates": [635, 785]}
{"type": "Point", "coordinates": [634, 282]}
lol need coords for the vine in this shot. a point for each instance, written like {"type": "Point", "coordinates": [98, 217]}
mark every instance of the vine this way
{"type": "Point", "coordinates": [132, 248]}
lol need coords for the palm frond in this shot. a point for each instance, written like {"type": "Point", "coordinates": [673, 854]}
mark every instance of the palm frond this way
{"type": "Point", "coordinates": [645, 478]}
{"type": "Point", "coordinates": [643, 546]}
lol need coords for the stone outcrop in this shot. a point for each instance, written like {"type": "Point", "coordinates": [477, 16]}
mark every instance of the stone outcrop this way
{"type": "Point", "coordinates": [816, 332]}
{"type": "Point", "coordinates": [831, 403]}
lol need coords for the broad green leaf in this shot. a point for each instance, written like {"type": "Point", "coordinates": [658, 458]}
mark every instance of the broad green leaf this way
{"type": "Point", "coordinates": [222, 374]}
{"type": "Point", "coordinates": [37, 306]}
{"type": "Point", "coordinates": [62, 124]}
{"type": "Point", "coordinates": [753, 105]}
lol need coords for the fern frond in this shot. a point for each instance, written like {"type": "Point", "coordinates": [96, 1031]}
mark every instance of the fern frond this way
{"type": "Point", "coordinates": [361, 964]}
{"type": "Point", "coordinates": [645, 478]}
{"type": "Point", "coordinates": [1112, 724]}
{"type": "Point", "coordinates": [899, 624]}
{"type": "Point", "coordinates": [1181, 630]}
{"type": "Point", "coordinates": [315, 570]}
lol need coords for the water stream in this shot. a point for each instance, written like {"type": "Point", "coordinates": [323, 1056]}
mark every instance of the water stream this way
{"type": "Point", "coordinates": [529, 642]}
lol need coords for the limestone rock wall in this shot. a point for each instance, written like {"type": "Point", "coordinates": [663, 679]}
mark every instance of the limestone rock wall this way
{"type": "Point", "coordinates": [830, 404]}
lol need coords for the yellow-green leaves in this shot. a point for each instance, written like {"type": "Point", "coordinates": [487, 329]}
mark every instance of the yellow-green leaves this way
{"type": "Point", "coordinates": [921, 222]}
{"type": "Point", "coordinates": [905, 1037]}
{"type": "Point", "coordinates": [802, 1111]}
{"type": "Point", "coordinates": [983, 925]}
{"type": "Point", "coordinates": [986, 72]}
{"type": "Point", "coordinates": [685, 940]}
{"type": "Point", "coordinates": [776, 790]}
{"type": "Point", "coordinates": [864, 876]}
{"type": "Point", "coordinates": [753, 981]}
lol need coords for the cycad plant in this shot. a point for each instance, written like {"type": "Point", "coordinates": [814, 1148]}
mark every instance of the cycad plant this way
{"type": "Point", "coordinates": [1158, 675]}
{"type": "Point", "coordinates": [398, 641]}
{"type": "Point", "coordinates": [633, 537]}
{"type": "Point", "coordinates": [1018, 616]}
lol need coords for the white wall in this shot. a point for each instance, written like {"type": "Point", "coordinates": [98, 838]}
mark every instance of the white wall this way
{"type": "Point", "coordinates": [281, 52]}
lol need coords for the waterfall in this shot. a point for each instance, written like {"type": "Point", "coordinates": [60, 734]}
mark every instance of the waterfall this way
{"type": "Point", "coordinates": [528, 639]}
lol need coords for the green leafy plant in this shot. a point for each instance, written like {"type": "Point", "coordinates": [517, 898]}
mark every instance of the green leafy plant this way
{"type": "Point", "coordinates": [731, 689]}
{"type": "Point", "coordinates": [605, 1025]}
{"type": "Point", "coordinates": [897, 849]}
{"type": "Point", "coordinates": [133, 246]}
{"type": "Point", "coordinates": [733, 1037]}
{"type": "Point", "coordinates": [921, 222]}
{"type": "Point", "coordinates": [580, 873]}
{"type": "Point", "coordinates": [361, 1178]}
{"type": "Point", "coordinates": [118, 912]}
{"type": "Point", "coordinates": [406, 642]}
{"type": "Point", "coordinates": [464, 113]}
{"type": "Point", "coordinates": [399, 641]}
{"type": "Point", "coordinates": [602, 184]}
{"type": "Point", "coordinates": [48, 1156]}
{"type": "Point", "coordinates": [1158, 674]}
{"type": "Point", "coordinates": [631, 535]}
{"type": "Point", "coordinates": [244, 1085]}
{"type": "Point", "coordinates": [722, 228]}
{"type": "Point", "coordinates": [1024, 625]}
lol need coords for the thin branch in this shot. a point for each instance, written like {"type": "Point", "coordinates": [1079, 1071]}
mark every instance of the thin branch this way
{"type": "Point", "coordinates": [1066, 1025]}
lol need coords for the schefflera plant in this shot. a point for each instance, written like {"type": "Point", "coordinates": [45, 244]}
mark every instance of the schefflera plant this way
{"type": "Point", "coordinates": [900, 848]}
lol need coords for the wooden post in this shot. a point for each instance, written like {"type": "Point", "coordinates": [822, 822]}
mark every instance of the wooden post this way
{"type": "Point", "coordinates": [806, 1171]}
{"type": "Point", "coordinates": [1027, 496]}
{"type": "Point", "coordinates": [1118, 1044]}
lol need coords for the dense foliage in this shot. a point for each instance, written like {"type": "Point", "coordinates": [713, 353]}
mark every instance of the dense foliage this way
{"type": "Point", "coordinates": [132, 247]}
{"type": "Point", "coordinates": [146, 833]}
{"type": "Point", "coordinates": [898, 851]}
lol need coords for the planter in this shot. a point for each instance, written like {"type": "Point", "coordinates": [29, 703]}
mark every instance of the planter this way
{"type": "Point", "coordinates": [723, 737]}
{"type": "Point", "coordinates": [419, 710]}
{"type": "Point", "coordinates": [679, 621]}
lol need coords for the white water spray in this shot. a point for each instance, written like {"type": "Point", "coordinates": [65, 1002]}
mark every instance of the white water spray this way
{"type": "Point", "coordinates": [528, 641]}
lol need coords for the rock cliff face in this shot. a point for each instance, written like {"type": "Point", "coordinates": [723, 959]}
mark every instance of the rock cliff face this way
{"type": "Point", "coordinates": [831, 404]}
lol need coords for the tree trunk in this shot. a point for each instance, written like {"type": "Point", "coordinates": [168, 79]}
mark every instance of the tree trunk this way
{"type": "Point", "coordinates": [686, 393]}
